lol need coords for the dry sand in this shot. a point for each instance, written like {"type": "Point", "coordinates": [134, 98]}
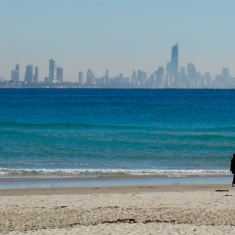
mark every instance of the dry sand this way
{"type": "Point", "coordinates": [119, 210]}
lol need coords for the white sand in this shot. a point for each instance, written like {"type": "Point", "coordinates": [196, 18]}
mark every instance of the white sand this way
{"type": "Point", "coordinates": [177, 212]}
{"type": "Point", "coordinates": [138, 229]}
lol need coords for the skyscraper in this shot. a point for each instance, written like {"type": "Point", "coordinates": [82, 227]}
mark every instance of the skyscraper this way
{"type": "Point", "coordinates": [160, 77]}
{"type": "Point", "coordinates": [52, 71]}
{"type": "Point", "coordinates": [142, 77]}
{"type": "Point", "coordinates": [107, 73]}
{"type": "Point", "coordinates": [80, 78]}
{"type": "Point", "coordinates": [168, 67]}
{"type": "Point", "coordinates": [225, 72]}
{"type": "Point", "coordinates": [15, 76]}
{"type": "Point", "coordinates": [134, 78]}
{"type": "Point", "coordinates": [89, 77]}
{"type": "Point", "coordinates": [17, 68]}
{"type": "Point", "coordinates": [106, 78]}
{"type": "Point", "coordinates": [59, 74]}
{"type": "Point", "coordinates": [174, 60]}
{"type": "Point", "coordinates": [29, 74]}
{"type": "Point", "coordinates": [191, 71]}
{"type": "Point", "coordinates": [36, 76]}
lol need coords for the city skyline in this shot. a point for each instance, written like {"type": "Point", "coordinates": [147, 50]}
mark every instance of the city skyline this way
{"type": "Point", "coordinates": [173, 62]}
{"type": "Point", "coordinates": [172, 67]}
{"type": "Point", "coordinates": [117, 35]}
{"type": "Point", "coordinates": [170, 77]}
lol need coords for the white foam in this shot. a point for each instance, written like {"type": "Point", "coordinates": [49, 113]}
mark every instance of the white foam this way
{"type": "Point", "coordinates": [60, 173]}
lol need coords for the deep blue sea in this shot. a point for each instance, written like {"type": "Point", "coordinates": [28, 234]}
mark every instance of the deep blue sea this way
{"type": "Point", "coordinates": [59, 133]}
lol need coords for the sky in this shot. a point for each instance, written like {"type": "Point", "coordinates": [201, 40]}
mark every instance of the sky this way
{"type": "Point", "coordinates": [118, 35]}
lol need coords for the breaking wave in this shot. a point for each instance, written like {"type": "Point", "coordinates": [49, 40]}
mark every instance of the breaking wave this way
{"type": "Point", "coordinates": [64, 173]}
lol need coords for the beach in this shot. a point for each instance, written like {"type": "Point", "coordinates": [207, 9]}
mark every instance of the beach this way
{"type": "Point", "coordinates": [181, 209]}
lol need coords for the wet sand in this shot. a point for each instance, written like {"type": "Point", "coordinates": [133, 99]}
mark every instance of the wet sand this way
{"type": "Point", "coordinates": [113, 189]}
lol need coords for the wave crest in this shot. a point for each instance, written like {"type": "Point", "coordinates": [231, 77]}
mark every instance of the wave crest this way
{"type": "Point", "coordinates": [63, 173]}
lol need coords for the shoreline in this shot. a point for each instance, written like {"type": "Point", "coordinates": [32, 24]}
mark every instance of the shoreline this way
{"type": "Point", "coordinates": [113, 176]}
{"type": "Point", "coordinates": [55, 183]}
{"type": "Point", "coordinates": [104, 182]}
{"type": "Point", "coordinates": [114, 190]}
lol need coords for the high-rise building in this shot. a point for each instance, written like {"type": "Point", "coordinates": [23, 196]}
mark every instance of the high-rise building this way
{"type": "Point", "coordinates": [182, 77]}
{"type": "Point", "coordinates": [208, 79]}
{"type": "Point", "coordinates": [52, 71]}
{"type": "Point", "coordinates": [89, 77]}
{"type": "Point", "coordinates": [107, 73]}
{"type": "Point", "coordinates": [134, 78]}
{"type": "Point", "coordinates": [106, 77]}
{"type": "Point", "coordinates": [46, 80]}
{"type": "Point", "coordinates": [29, 74]}
{"type": "Point", "coordinates": [160, 77]}
{"type": "Point", "coordinates": [59, 74]}
{"type": "Point", "coordinates": [142, 77]}
{"type": "Point", "coordinates": [80, 78]}
{"type": "Point", "coordinates": [225, 72]}
{"type": "Point", "coordinates": [36, 76]}
{"type": "Point", "coordinates": [152, 79]}
{"type": "Point", "coordinates": [17, 68]}
{"type": "Point", "coordinates": [174, 60]}
{"type": "Point", "coordinates": [207, 75]}
{"type": "Point", "coordinates": [191, 71]}
{"type": "Point", "coordinates": [15, 74]}
{"type": "Point", "coordinates": [168, 67]}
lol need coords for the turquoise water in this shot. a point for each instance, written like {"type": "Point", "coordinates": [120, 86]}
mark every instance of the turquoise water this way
{"type": "Point", "coordinates": [63, 133]}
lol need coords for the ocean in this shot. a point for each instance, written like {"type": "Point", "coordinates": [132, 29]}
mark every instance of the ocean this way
{"type": "Point", "coordinates": [115, 133]}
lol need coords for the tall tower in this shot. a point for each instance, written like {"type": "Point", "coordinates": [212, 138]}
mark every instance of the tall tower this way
{"type": "Point", "coordinates": [59, 74]}
{"type": "Point", "coordinates": [52, 71]}
{"type": "Point", "coordinates": [80, 78]}
{"type": "Point", "coordinates": [29, 74]}
{"type": "Point", "coordinates": [106, 77]}
{"type": "Point", "coordinates": [17, 68]}
{"type": "Point", "coordinates": [89, 77]}
{"type": "Point", "coordinates": [174, 60]}
{"type": "Point", "coordinates": [15, 74]}
{"type": "Point", "coordinates": [225, 72]}
{"type": "Point", "coordinates": [36, 76]}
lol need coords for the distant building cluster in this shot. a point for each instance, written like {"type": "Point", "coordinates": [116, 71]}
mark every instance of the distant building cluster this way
{"type": "Point", "coordinates": [170, 77]}
{"type": "Point", "coordinates": [31, 77]}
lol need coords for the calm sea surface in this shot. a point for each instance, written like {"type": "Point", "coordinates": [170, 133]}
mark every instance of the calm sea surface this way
{"type": "Point", "coordinates": [59, 133]}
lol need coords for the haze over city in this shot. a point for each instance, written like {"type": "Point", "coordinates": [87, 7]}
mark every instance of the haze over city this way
{"type": "Point", "coordinates": [120, 36]}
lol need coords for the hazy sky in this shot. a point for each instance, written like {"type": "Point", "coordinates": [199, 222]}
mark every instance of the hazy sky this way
{"type": "Point", "coordinates": [117, 35]}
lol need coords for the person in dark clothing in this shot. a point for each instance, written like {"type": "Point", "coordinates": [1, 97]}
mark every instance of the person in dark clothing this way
{"type": "Point", "coordinates": [232, 168]}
